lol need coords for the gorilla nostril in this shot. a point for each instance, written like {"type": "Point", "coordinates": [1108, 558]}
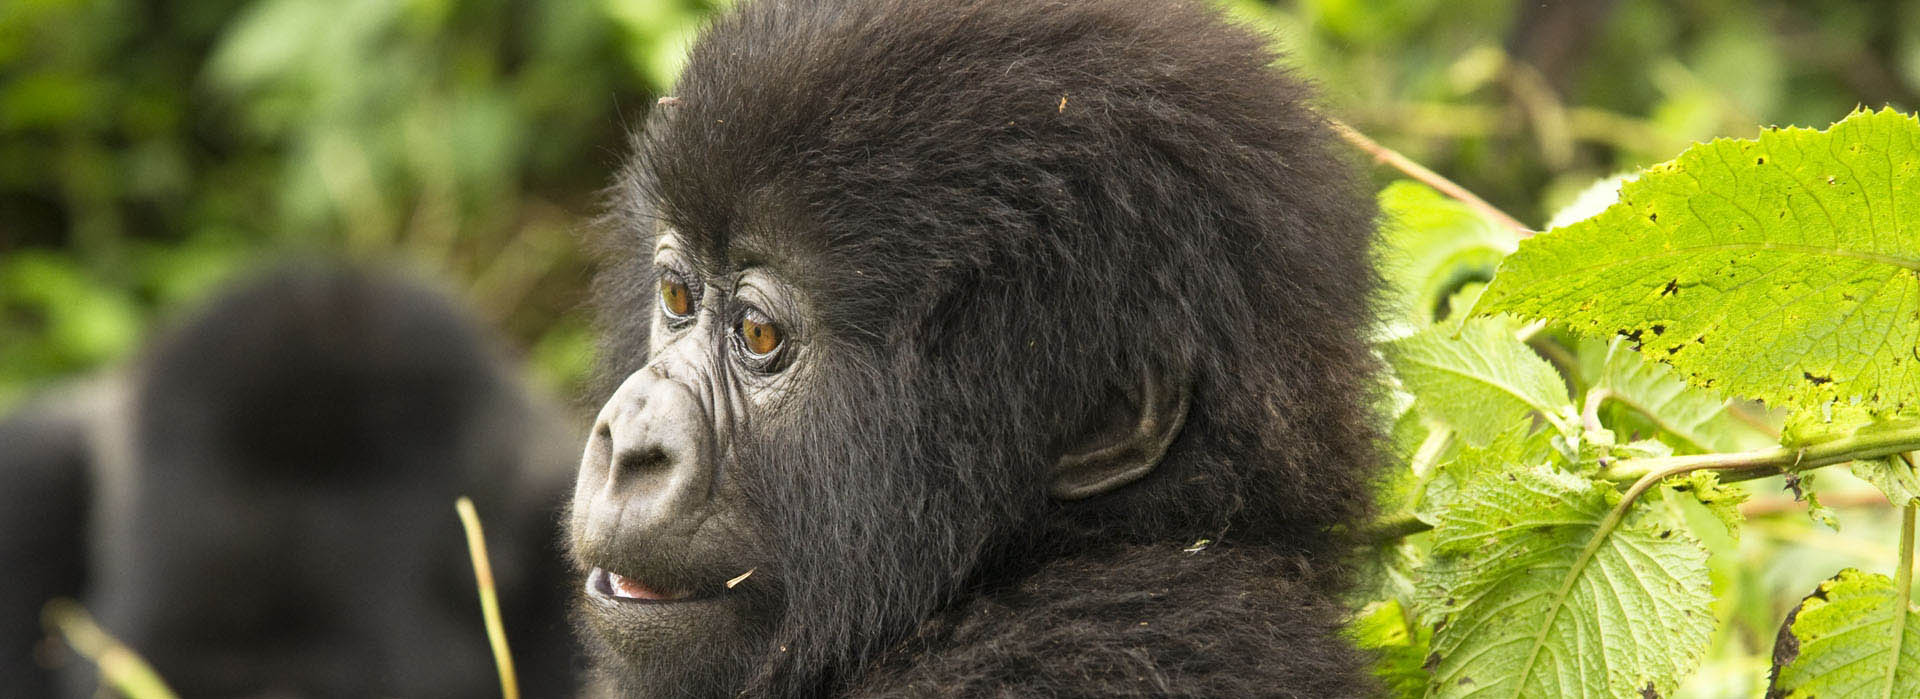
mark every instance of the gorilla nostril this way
{"type": "Point", "coordinates": [640, 460]}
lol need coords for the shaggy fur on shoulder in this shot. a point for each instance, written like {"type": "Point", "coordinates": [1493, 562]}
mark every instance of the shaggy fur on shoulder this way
{"type": "Point", "coordinates": [1135, 622]}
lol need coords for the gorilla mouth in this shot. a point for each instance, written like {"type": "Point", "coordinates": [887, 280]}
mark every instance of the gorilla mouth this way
{"type": "Point", "coordinates": [608, 584]}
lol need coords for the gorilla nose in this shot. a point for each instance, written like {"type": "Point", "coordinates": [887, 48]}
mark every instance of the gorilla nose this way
{"type": "Point", "coordinates": [648, 469]}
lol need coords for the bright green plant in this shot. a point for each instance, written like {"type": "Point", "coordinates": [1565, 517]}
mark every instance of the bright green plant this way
{"type": "Point", "coordinates": [1567, 440]}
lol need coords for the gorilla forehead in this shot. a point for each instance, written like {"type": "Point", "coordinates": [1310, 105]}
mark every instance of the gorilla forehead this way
{"type": "Point", "coordinates": [967, 134]}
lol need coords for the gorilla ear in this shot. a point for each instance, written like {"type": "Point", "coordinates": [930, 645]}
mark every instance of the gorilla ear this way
{"type": "Point", "coordinates": [1146, 425]}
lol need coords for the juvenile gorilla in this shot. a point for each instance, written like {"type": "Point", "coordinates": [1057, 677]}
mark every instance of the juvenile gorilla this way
{"type": "Point", "coordinates": [979, 348]}
{"type": "Point", "coordinates": [262, 504]}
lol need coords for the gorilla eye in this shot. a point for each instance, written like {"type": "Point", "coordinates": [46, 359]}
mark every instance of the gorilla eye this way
{"type": "Point", "coordinates": [675, 298]}
{"type": "Point", "coordinates": [761, 339]}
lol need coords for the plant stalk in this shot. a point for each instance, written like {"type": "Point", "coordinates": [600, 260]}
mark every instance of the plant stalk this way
{"type": "Point", "coordinates": [1736, 466]}
{"type": "Point", "coordinates": [1903, 596]}
{"type": "Point", "coordinates": [489, 598]}
{"type": "Point", "coordinates": [120, 668]}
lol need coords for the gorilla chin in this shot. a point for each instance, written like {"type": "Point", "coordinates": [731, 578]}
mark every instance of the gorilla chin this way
{"type": "Point", "coordinates": [685, 647]}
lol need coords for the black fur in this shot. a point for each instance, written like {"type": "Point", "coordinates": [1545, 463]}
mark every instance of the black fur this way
{"type": "Point", "coordinates": [263, 502]}
{"type": "Point", "coordinates": [999, 213]}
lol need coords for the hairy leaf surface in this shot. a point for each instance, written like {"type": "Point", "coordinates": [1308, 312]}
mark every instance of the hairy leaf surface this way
{"type": "Point", "coordinates": [1481, 382]}
{"type": "Point", "coordinates": [1533, 606]}
{"type": "Point", "coordinates": [1853, 637]}
{"type": "Point", "coordinates": [1785, 268]}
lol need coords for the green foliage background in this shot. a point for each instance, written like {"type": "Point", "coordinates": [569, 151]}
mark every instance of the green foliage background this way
{"type": "Point", "coordinates": [149, 151]}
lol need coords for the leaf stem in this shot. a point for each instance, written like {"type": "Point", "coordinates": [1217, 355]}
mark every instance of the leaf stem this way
{"type": "Point", "coordinates": [1598, 396]}
{"type": "Point", "coordinates": [1761, 463]}
{"type": "Point", "coordinates": [489, 597]}
{"type": "Point", "coordinates": [1903, 596]}
{"type": "Point", "coordinates": [1590, 414]}
{"type": "Point", "coordinates": [1428, 177]}
{"type": "Point", "coordinates": [1737, 466]}
{"type": "Point", "coordinates": [1430, 450]}
{"type": "Point", "coordinates": [1392, 527]}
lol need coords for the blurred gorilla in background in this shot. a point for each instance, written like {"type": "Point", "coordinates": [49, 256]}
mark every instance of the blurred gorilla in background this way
{"type": "Point", "coordinates": [262, 504]}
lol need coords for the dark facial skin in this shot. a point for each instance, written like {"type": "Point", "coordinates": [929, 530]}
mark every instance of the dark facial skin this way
{"type": "Point", "coordinates": [667, 549]}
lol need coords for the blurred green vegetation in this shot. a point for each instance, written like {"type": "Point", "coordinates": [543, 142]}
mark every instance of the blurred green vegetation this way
{"type": "Point", "coordinates": [150, 149]}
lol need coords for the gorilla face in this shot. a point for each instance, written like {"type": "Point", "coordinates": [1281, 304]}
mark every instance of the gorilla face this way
{"type": "Point", "coordinates": [773, 484]}
{"type": "Point", "coordinates": [658, 518]}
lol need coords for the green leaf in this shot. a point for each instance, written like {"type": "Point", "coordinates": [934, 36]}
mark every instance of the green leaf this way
{"type": "Point", "coordinates": [1856, 636]}
{"type": "Point", "coordinates": [1465, 464]}
{"type": "Point", "coordinates": [1430, 246]}
{"type": "Point", "coordinates": [1538, 599]}
{"type": "Point", "coordinates": [1589, 202]}
{"type": "Point", "coordinates": [1829, 421]}
{"type": "Point", "coordinates": [1696, 419]}
{"type": "Point", "coordinates": [1481, 382]}
{"type": "Point", "coordinates": [1893, 476]}
{"type": "Point", "coordinates": [1785, 268]}
{"type": "Point", "coordinates": [1721, 501]}
{"type": "Point", "coordinates": [1399, 647]}
{"type": "Point", "coordinates": [1818, 512]}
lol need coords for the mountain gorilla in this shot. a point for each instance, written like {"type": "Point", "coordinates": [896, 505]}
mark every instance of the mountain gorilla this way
{"type": "Point", "coordinates": [979, 348]}
{"type": "Point", "coordinates": [262, 505]}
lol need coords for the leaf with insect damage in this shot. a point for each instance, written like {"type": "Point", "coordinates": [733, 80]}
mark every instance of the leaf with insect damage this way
{"type": "Point", "coordinates": [1785, 268]}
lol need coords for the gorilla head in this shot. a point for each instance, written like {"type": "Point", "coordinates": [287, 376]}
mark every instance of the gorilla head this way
{"type": "Point", "coordinates": [915, 303]}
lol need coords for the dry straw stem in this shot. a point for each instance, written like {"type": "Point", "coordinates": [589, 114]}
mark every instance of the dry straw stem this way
{"type": "Point", "coordinates": [489, 597]}
{"type": "Point", "coordinates": [1430, 178]}
{"type": "Point", "coordinates": [120, 668]}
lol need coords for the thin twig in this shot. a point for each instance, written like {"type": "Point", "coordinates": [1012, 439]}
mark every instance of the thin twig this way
{"type": "Point", "coordinates": [489, 598]}
{"type": "Point", "coordinates": [1430, 178]}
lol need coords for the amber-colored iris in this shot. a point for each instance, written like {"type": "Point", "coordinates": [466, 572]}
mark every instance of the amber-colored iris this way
{"type": "Point", "coordinates": [761, 338]}
{"type": "Point", "coordinates": [675, 297]}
